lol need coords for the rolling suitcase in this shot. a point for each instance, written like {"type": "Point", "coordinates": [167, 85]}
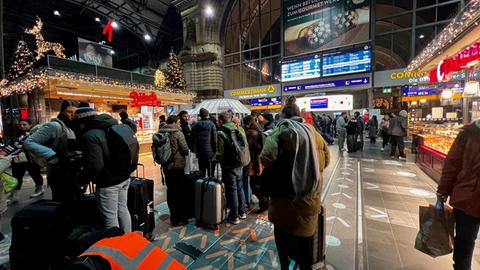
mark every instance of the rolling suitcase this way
{"type": "Point", "coordinates": [84, 210]}
{"type": "Point", "coordinates": [189, 193]}
{"type": "Point", "coordinates": [318, 240]}
{"type": "Point", "coordinates": [328, 138]}
{"type": "Point", "coordinates": [210, 202]}
{"type": "Point", "coordinates": [38, 234]}
{"type": "Point", "coordinates": [140, 204]}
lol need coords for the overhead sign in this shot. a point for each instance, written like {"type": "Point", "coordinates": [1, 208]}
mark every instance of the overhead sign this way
{"type": "Point", "coordinates": [326, 103]}
{"type": "Point", "coordinates": [306, 67]}
{"type": "Point", "coordinates": [314, 25]}
{"type": "Point", "coordinates": [266, 104]}
{"type": "Point", "coordinates": [271, 90]}
{"type": "Point", "coordinates": [467, 57]}
{"type": "Point", "coordinates": [347, 61]}
{"type": "Point", "coordinates": [327, 84]}
{"type": "Point", "coordinates": [399, 77]}
{"type": "Point", "coordinates": [143, 99]}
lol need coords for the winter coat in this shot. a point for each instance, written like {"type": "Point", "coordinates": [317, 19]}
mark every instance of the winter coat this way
{"type": "Point", "coordinates": [187, 132]}
{"type": "Point", "coordinates": [255, 141]}
{"type": "Point", "coordinates": [222, 144]}
{"type": "Point", "coordinates": [341, 124]}
{"type": "Point", "coordinates": [204, 138]}
{"type": "Point", "coordinates": [298, 217]}
{"type": "Point", "coordinates": [372, 129]}
{"type": "Point", "coordinates": [461, 173]}
{"type": "Point", "coordinates": [353, 127]}
{"type": "Point", "coordinates": [48, 140]}
{"type": "Point", "coordinates": [178, 143]}
{"type": "Point", "coordinates": [398, 126]}
{"type": "Point", "coordinates": [97, 163]}
{"type": "Point", "coordinates": [129, 122]}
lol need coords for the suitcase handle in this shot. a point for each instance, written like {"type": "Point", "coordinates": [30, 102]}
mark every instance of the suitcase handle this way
{"type": "Point", "coordinates": [143, 169]}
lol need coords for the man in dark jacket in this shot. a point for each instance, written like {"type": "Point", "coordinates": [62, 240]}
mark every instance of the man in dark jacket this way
{"type": "Point", "coordinates": [398, 130]}
{"type": "Point", "coordinates": [127, 121]}
{"type": "Point", "coordinates": [112, 189]}
{"type": "Point", "coordinates": [460, 181]}
{"type": "Point", "coordinates": [204, 138]}
{"type": "Point", "coordinates": [186, 129]}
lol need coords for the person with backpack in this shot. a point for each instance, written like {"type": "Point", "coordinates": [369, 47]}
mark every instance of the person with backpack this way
{"type": "Point", "coordinates": [233, 154]}
{"type": "Point", "coordinates": [101, 167]}
{"type": "Point", "coordinates": [127, 121]}
{"type": "Point", "coordinates": [352, 134]}
{"type": "Point", "coordinates": [20, 164]}
{"type": "Point", "coordinates": [295, 156]}
{"type": "Point", "coordinates": [204, 137]}
{"type": "Point", "coordinates": [175, 145]}
{"type": "Point", "coordinates": [54, 145]}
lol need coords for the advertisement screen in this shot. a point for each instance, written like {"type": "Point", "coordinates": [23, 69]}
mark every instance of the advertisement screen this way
{"type": "Point", "coordinates": [347, 61]}
{"type": "Point", "coordinates": [335, 103]}
{"type": "Point", "coordinates": [313, 25]}
{"type": "Point", "coordinates": [302, 68]}
{"type": "Point", "coordinates": [94, 53]}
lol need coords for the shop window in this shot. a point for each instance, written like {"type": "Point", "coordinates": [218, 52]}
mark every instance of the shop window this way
{"type": "Point", "coordinates": [423, 36]}
{"type": "Point", "coordinates": [447, 12]}
{"type": "Point", "coordinates": [232, 77]}
{"type": "Point", "coordinates": [394, 23]}
{"type": "Point", "coordinates": [232, 59]}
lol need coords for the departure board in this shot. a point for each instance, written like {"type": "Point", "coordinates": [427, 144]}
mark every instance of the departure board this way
{"type": "Point", "coordinates": [347, 61]}
{"type": "Point", "coordinates": [306, 67]}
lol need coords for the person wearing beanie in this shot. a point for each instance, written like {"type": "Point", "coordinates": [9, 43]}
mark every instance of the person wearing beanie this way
{"type": "Point", "coordinates": [111, 189]}
{"type": "Point", "coordinates": [398, 131]}
{"type": "Point", "coordinates": [51, 145]}
{"type": "Point", "coordinates": [204, 141]}
{"type": "Point", "coordinates": [127, 121]}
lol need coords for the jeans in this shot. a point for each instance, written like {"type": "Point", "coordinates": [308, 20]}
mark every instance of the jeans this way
{"type": "Point", "coordinates": [112, 202]}
{"type": "Point", "coordinates": [247, 191]}
{"type": "Point", "coordinates": [232, 178]}
{"type": "Point", "coordinates": [175, 180]}
{"type": "Point", "coordinates": [466, 231]}
{"type": "Point", "coordinates": [19, 169]}
{"type": "Point", "coordinates": [397, 140]}
{"type": "Point", "coordinates": [342, 134]}
{"type": "Point", "coordinates": [293, 247]}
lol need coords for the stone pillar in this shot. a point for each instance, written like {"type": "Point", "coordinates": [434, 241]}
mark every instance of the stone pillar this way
{"type": "Point", "coordinates": [202, 52]}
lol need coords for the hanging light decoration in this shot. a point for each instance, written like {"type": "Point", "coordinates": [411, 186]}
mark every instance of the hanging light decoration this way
{"type": "Point", "coordinates": [159, 80]}
{"type": "Point", "coordinates": [469, 16]}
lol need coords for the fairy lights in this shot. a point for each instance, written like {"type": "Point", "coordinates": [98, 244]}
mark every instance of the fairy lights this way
{"type": "Point", "coordinates": [469, 16]}
{"type": "Point", "coordinates": [42, 45]}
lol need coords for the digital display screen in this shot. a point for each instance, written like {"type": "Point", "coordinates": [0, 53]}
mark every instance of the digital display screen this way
{"type": "Point", "coordinates": [347, 61]}
{"type": "Point", "coordinates": [319, 103]}
{"type": "Point", "coordinates": [415, 91]}
{"type": "Point", "coordinates": [326, 103]}
{"type": "Point", "coordinates": [302, 68]}
{"type": "Point", "coordinates": [327, 84]}
{"type": "Point", "coordinates": [266, 104]}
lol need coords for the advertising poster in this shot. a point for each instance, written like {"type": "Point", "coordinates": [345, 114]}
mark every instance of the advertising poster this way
{"type": "Point", "coordinates": [94, 53]}
{"type": "Point", "coordinates": [313, 25]}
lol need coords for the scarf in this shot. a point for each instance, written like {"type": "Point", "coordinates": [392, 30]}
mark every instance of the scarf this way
{"type": "Point", "coordinates": [306, 172]}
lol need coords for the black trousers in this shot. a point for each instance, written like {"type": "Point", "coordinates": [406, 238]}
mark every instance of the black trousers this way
{"type": "Point", "coordinates": [258, 192]}
{"type": "Point", "coordinates": [205, 166]}
{"type": "Point", "coordinates": [19, 169]}
{"type": "Point", "coordinates": [397, 141]}
{"type": "Point", "coordinates": [293, 247]}
{"type": "Point", "coordinates": [466, 231]}
{"type": "Point", "coordinates": [351, 143]}
{"type": "Point", "coordinates": [386, 138]}
{"type": "Point", "coordinates": [175, 180]}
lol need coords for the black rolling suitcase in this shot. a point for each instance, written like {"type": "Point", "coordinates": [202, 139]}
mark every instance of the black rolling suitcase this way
{"type": "Point", "coordinates": [84, 211]}
{"type": "Point", "coordinates": [140, 204]}
{"type": "Point", "coordinates": [189, 195]}
{"type": "Point", "coordinates": [328, 138]}
{"type": "Point", "coordinates": [38, 234]}
{"type": "Point", "coordinates": [318, 240]}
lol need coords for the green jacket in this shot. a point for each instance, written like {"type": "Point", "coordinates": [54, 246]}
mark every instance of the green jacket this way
{"type": "Point", "coordinates": [222, 138]}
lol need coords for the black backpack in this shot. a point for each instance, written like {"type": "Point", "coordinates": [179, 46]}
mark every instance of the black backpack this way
{"type": "Point", "coordinates": [162, 149]}
{"type": "Point", "coordinates": [237, 153]}
{"type": "Point", "coordinates": [123, 147]}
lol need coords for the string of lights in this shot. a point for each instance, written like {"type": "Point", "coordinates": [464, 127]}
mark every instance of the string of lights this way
{"type": "Point", "coordinates": [468, 17]}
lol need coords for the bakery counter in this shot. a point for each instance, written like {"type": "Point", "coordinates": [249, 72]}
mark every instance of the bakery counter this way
{"type": "Point", "coordinates": [431, 154]}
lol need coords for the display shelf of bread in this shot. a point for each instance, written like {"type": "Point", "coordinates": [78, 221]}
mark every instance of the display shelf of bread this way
{"type": "Point", "coordinates": [145, 135]}
{"type": "Point", "coordinates": [441, 144]}
{"type": "Point", "coordinates": [437, 136]}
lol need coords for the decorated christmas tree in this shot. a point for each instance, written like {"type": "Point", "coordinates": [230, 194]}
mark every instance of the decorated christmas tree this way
{"type": "Point", "coordinates": [174, 77]}
{"type": "Point", "coordinates": [22, 62]}
{"type": "Point", "coordinates": [159, 79]}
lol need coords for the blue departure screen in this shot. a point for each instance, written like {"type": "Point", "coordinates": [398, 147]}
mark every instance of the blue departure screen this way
{"type": "Point", "coordinates": [347, 61]}
{"type": "Point", "coordinates": [302, 68]}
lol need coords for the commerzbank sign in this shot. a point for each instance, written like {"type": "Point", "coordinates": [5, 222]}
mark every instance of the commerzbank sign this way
{"type": "Point", "coordinates": [399, 77]}
{"type": "Point", "coordinates": [271, 90]}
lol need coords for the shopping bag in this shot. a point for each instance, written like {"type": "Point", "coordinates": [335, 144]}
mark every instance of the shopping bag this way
{"type": "Point", "coordinates": [9, 182]}
{"type": "Point", "coordinates": [190, 161]}
{"type": "Point", "coordinates": [435, 237]}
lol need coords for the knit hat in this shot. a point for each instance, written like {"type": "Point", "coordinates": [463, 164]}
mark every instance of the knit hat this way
{"type": "Point", "coordinates": [204, 113]}
{"type": "Point", "coordinates": [403, 113]}
{"type": "Point", "coordinates": [84, 113]}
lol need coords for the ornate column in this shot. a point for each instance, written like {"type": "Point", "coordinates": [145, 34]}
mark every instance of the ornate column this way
{"type": "Point", "coordinates": [202, 52]}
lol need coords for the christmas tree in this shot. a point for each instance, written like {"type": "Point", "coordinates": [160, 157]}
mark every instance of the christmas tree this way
{"type": "Point", "coordinates": [22, 62]}
{"type": "Point", "coordinates": [159, 79]}
{"type": "Point", "coordinates": [174, 77]}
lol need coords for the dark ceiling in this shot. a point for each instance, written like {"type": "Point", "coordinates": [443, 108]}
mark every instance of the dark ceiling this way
{"type": "Point", "coordinates": [158, 18]}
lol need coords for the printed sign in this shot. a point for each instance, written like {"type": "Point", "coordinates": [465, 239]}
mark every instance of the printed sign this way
{"type": "Point", "coordinates": [313, 25]}
{"type": "Point", "coordinates": [143, 99]}
{"type": "Point", "coordinates": [272, 90]}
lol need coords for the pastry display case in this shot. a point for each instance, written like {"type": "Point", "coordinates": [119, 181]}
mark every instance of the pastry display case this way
{"type": "Point", "coordinates": [432, 140]}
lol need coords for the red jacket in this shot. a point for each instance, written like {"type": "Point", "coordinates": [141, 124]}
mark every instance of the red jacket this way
{"type": "Point", "coordinates": [461, 172]}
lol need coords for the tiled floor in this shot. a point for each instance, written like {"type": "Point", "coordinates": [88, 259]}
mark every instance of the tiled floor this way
{"type": "Point", "coordinates": [371, 206]}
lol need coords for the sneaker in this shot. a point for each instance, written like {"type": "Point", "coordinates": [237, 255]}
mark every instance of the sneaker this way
{"type": "Point", "coordinates": [13, 198]}
{"type": "Point", "coordinates": [234, 221]}
{"type": "Point", "coordinates": [383, 149]}
{"type": "Point", "coordinates": [402, 158]}
{"type": "Point", "coordinates": [38, 192]}
{"type": "Point", "coordinates": [243, 216]}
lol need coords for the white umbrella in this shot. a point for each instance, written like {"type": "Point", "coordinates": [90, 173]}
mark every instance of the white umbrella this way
{"type": "Point", "coordinates": [221, 105]}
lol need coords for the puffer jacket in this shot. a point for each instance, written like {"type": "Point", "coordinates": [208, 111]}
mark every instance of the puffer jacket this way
{"type": "Point", "coordinates": [298, 217]}
{"type": "Point", "coordinates": [97, 165]}
{"type": "Point", "coordinates": [178, 143]}
{"type": "Point", "coordinates": [398, 126]}
{"type": "Point", "coordinates": [461, 173]}
{"type": "Point", "coordinates": [204, 138]}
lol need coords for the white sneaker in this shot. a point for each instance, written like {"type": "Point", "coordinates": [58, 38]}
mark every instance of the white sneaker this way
{"type": "Point", "coordinates": [383, 149]}
{"type": "Point", "coordinates": [13, 198]}
{"type": "Point", "coordinates": [243, 216]}
{"type": "Point", "coordinates": [402, 158]}
{"type": "Point", "coordinates": [38, 192]}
